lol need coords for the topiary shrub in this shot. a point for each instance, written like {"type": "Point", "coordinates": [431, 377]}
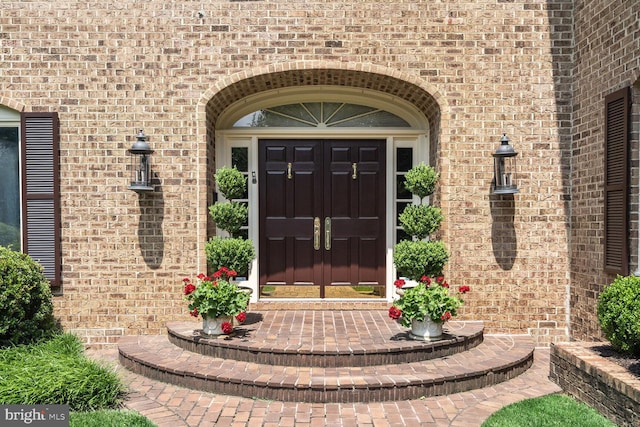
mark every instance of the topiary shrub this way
{"type": "Point", "coordinates": [231, 182]}
{"type": "Point", "coordinates": [421, 180]}
{"type": "Point", "coordinates": [229, 216]}
{"type": "Point", "coordinates": [420, 220]}
{"type": "Point", "coordinates": [235, 254]}
{"type": "Point", "coordinates": [414, 259]}
{"type": "Point", "coordinates": [619, 314]}
{"type": "Point", "coordinates": [26, 310]}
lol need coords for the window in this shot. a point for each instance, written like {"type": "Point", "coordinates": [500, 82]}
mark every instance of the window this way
{"type": "Point", "coordinates": [9, 185]}
{"type": "Point", "coordinates": [240, 160]}
{"type": "Point", "coordinates": [321, 114]}
{"type": "Point", "coordinates": [29, 195]}
{"type": "Point", "coordinates": [616, 186]}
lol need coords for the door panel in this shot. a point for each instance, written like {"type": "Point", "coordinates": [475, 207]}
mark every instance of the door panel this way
{"type": "Point", "coordinates": [342, 181]}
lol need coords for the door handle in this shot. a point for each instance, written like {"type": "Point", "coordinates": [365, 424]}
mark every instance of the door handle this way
{"type": "Point", "coordinates": [327, 233]}
{"type": "Point", "coordinates": [316, 233]}
{"type": "Point", "coordinates": [289, 175]}
{"type": "Point", "coordinates": [355, 171]}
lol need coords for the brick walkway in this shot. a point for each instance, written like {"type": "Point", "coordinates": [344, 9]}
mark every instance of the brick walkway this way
{"type": "Point", "coordinates": [172, 406]}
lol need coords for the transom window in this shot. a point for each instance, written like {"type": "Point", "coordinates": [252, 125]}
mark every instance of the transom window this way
{"type": "Point", "coordinates": [321, 115]}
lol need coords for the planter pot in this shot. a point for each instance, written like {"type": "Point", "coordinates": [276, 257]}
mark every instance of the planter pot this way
{"type": "Point", "coordinates": [408, 283]}
{"type": "Point", "coordinates": [213, 325]}
{"type": "Point", "coordinates": [426, 330]}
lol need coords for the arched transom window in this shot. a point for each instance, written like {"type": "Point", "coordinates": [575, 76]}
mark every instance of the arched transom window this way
{"type": "Point", "coordinates": [321, 115]}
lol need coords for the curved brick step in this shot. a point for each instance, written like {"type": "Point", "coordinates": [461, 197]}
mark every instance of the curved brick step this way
{"type": "Point", "coordinates": [390, 343]}
{"type": "Point", "coordinates": [497, 359]}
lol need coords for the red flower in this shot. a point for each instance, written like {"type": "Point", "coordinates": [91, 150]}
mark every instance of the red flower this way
{"type": "Point", "coordinates": [446, 316]}
{"type": "Point", "coordinates": [217, 274]}
{"type": "Point", "coordinates": [395, 312]}
{"type": "Point", "coordinates": [189, 288]}
{"type": "Point", "coordinates": [207, 279]}
{"type": "Point", "coordinates": [232, 273]}
{"type": "Point", "coordinates": [227, 327]}
{"type": "Point", "coordinates": [194, 312]}
{"type": "Point", "coordinates": [241, 317]}
{"type": "Point", "coordinates": [425, 279]}
{"type": "Point", "coordinates": [201, 276]}
{"type": "Point", "coordinates": [464, 289]}
{"type": "Point", "coordinates": [440, 279]}
{"type": "Point", "coordinates": [444, 285]}
{"type": "Point", "coordinates": [224, 269]}
{"type": "Point", "coordinates": [399, 283]}
{"type": "Point", "coordinates": [186, 280]}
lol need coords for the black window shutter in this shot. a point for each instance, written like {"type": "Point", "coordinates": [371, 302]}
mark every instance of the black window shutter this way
{"type": "Point", "coordinates": [616, 187]}
{"type": "Point", "coordinates": [40, 192]}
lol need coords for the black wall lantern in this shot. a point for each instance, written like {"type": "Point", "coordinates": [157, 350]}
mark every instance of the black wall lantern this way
{"type": "Point", "coordinates": [140, 153]}
{"type": "Point", "coordinates": [504, 168]}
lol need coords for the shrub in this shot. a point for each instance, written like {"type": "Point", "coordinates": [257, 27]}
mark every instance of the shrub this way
{"type": "Point", "coordinates": [229, 216]}
{"type": "Point", "coordinates": [413, 259]}
{"type": "Point", "coordinates": [234, 253]}
{"type": "Point", "coordinates": [231, 183]}
{"type": "Point", "coordinates": [57, 372]}
{"type": "Point", "coordinates": [619, 314]}
{"type": "Point", "coordinates": [421, 180]}
{"type": "Point", "coordinates": [420, 220]}
{"type": "Point", "coordinates": [26, 310]}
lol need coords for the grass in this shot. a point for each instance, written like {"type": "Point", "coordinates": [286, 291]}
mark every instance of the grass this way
{"type": "Point", "coordinates": [108, 418]}
{"type": "Point", "coordinates": [57, 371]}
{"type": "Point", "coordinates": [554, 410]}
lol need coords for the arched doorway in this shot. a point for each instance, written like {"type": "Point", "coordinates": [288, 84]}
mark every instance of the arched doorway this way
{"type": "Point", "coordinates": [325, 166]}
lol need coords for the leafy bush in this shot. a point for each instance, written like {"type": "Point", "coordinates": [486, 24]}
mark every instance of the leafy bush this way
{"type": "Point", "coordinates": [234, 253]}
{"type": "Point", "coordinates": [420, 220]}
{"type": "Point", "coordinates": [229, 216]}
{"type": "Point", "coordinates": [57, 372]}
{"type": "Point", "coordinates": [26, 310]}
{"type": "Point", "coordinates": [421, 180]}
{"type": "Point", "coordinates": [619, 314]}
{"type": "Point", "coordinates": [413, 259]}
{"type": "Point", "coordinates": [231, 182]}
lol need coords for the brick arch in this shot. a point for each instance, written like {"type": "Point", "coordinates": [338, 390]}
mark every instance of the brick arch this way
{"type": "Point", "coordinates": [10, 103]}
{"type": "Point", "coordinates": [402, 85]}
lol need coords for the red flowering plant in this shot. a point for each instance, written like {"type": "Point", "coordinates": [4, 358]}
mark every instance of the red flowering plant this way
{"type": "Point", "coordinates": [429, 299]}
{"type": "Point", "coordinates": [216, 296]}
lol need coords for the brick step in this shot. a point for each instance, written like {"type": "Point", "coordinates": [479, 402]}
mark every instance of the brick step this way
{"type": "Point", "coordinates": [497, 359]}
{"type": "Point", "coordinates": [382, 341]}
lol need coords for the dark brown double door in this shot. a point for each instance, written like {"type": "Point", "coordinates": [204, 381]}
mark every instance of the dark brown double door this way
{"type": "Point", "coordinates": [322, 215]}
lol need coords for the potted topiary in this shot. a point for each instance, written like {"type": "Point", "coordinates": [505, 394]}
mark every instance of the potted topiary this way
{"type": "Point", "coordinates": [424, 303]}
{"type": "Point", "coordinates": [233, 251]}
{"type": "Point", "coordinates": [217, 299]}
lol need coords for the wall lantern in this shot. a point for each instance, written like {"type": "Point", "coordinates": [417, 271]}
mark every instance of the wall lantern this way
{"type": "Point", "coordinates": [504, 168]}
{"type": "Point", "coordinates": [140, 153]}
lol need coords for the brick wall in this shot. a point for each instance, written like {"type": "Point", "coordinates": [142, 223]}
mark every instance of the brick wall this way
{"type": "Point", "coordinates": [606, 60]}
{"type": "Point", "coordinates": [582, 372]}
{"type": "Point", "coordinates": [112, 67]}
